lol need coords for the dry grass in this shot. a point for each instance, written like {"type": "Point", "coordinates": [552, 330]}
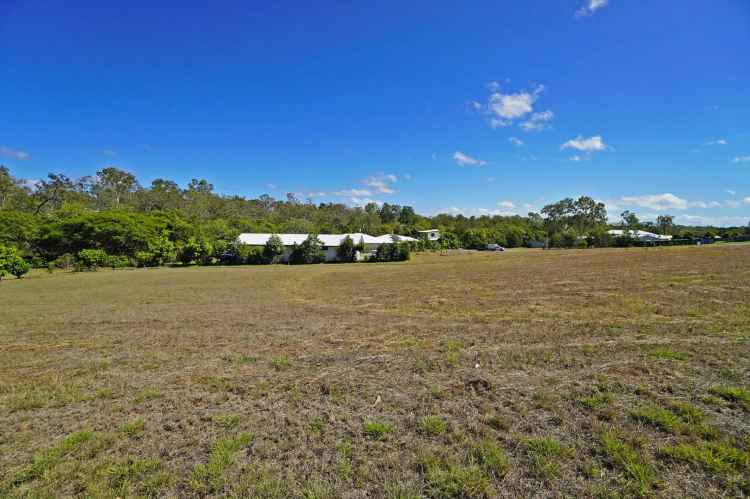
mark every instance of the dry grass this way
{"type": "Point", "coordinates": [447, 376]}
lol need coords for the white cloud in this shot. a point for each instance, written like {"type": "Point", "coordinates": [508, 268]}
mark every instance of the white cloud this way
{"type": "Point", "coordinates": [381, 183]}
{"type": "Point", "coordinates": [731, 192]}
{"type": "Point", "coordinates": [591, 144]}
{"type": "Point", "coordinates": [721, 221]}
{"type": "Point", "coordinates": [741, 159]}
{"type": "Point", "coordinates": [664, 201]}
{"type": "Point", "coordinates": [364, 201]}
{"type": "Point", "coordinates": [516, 141]}
{"type": "Point", "coordinates": [590, 7]}
{"type": "Point", "coordinates": [576, 158]}
{"type": "Point", "coordinates": [466, 160]}
{"type": "Point", "coordinates": [538, 121]}
{"type": "Point", "coordinates": [732, 203]}
{"type": "Point", "coordinates": [746, 200]}
{"type": "Point", "coordinates": [272, 186]}
{"type": "Point", "coordinates": [505, 109]}
{"type": "Point", "coordinates": [703, 204]}
{"type": "Point", "coordinates": [717, 142]}
{"type": "Point", "coordinates": [353, 193]}
{"type": "Point", "coordinates": [14, 153]}
{"type": "Point", "coordinates": [506, 204]}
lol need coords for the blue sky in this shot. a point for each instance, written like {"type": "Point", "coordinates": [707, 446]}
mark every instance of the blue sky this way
{"type": "Point", "coordinates": [472, 107]}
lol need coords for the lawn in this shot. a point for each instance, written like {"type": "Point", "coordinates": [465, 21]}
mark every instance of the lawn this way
{"type": "Point", "coordinates": [527, 373]}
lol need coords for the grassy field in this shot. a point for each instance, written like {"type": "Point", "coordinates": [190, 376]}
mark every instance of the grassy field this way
{"type": "Point", "coordinates": [613, 372]}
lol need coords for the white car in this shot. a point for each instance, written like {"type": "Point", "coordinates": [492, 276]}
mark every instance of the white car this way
{"type": "Point", "coordinates": [495, 247]}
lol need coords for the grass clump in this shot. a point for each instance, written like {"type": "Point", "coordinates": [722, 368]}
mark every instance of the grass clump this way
{"type": "Point", "coordinates": [733, 394]}
{"type": "Point", "coordinates": [448, 479]}
{"type": "Point", "coordinates": [667, 353]}
{"type": "Point", "coordinates": [640, 475]}
{"type": "Point", "coordinates": [376, 430]}
{"type": "Point", "coordinates": [491, 457]}
{"type": "Point", "coordinates": [261, 482]}
{"type": "Point", "coordinates": [133, 429]}
{"type": "Point", "coordinates": [681, 418]}
{"type": "Point", "coordinates": [717, 457]}
{"type": "Point", "coordinates": [146, 395]}
{"type": "Point", "coordinates": [318, 425]}
{"type": "Point", "coordinates": [209, 478]}
{"type": "Point", "coordinates": [226, 421]}
{"type": "Point", "coordinates": [597, 400]}
{"type": "Point", "coordinates": [317, 489]}
{"type": "Point", "coordinates": [281, 362]}
{"type": "Point", "coordinates": [546, 454]}
{"type": "Point", "coordinates": [432, 425]}
{"type": "Point", "coordinates": [137, 476]}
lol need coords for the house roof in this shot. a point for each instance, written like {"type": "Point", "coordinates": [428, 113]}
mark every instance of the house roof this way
{"type": "Point", "coordinates": [428, 231]}
{"type": "Point", "coordinates": [639, 234]}
{"type": "Point", "coordinates": [259, 239]}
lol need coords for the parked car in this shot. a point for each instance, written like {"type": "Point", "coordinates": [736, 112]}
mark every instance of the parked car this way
{"type": "Point", "coordinates": [495, 247]}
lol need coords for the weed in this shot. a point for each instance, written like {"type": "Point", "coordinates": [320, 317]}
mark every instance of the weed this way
{"type": "Point", "coordinates": [546, 453]}
{"type": "Point", "coordinates": [640, 475]}
{"type": "Point", "coordinates": [491, 457]}
{"type": "Point", "coordinates": [682, 419]}
{"type": "Point", "coordinates": [209, 478]}
{"type": "Point", "coordinates": [597, 400]}
{"type": "Point", "coordinates": [432, 425]}
{"type": "Point", "coordinates": [733, 394]}
{"type": "Point", "coordinates": [226, 421]}
{"type": "Point", "coordinates": [317, 489]}
{"type": "Point", "coordinates": [259, 481]}
{"type": "Point", "coordinates": [667, 353]}
{"type": "Point", "coordinates": [133, 429]}
{"type": "Point", "coordinates": [280, 363]}
{"type": "Point", "coordinates": [448, 479]}
{"type": "Point", "coordinates": [318, 425]}
{"type": "Point", "coordinates": [717, 457]}
{"type": "Point", "coordinates": [376, 430]}
{"type": "Point", "coordinates": [145, 395]}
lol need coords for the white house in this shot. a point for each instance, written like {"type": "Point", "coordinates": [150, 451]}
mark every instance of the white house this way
{"type": "Point", "coordinates": [330, 242]}
{"type": "Point", "coordinates": [640, 235]}
{"type": "Point", "coordinates": [430, 235]}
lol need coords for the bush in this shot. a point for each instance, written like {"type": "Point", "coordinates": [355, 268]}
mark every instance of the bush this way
{"type": "Point", "coordinates": [118, 261]}
{"type": "Point", "coordinates": [308, 252]}
{"type": "Point", "coordinates": [346, 252]}
{"type": "Point", "coordinates": [273, 249]}
{"type": "Point", "coordinates": [392, 252]}
{"type": "Point", "coordinates": [196, 250]}
{"type": "Point", "coordinates": [92, 258]}
{"type": "Point", "coordinates": [12, 263]}
{"type": "Point", "coordinates": [64, 262]}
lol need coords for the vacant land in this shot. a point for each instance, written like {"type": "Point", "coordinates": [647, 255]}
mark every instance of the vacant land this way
{"type": "Point", "coordinates": [529, 373]}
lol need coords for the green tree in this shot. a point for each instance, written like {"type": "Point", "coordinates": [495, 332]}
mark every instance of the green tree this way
{"type": "Point", "coordinates": [310, 251]}
{"type": "Point", "coordinates": [346, 252]}
{"type": "Point", "coordinates": [273, 249]}
{"type": "Point", "coordinates": [12, 263]}
{"type": "Point", "coordinates": [665, 224]}
{"type": "Point", "coordinates": [629, 220]}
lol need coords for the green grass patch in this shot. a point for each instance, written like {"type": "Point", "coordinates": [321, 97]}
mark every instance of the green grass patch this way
{"type": "Point", "coordinates": [376, 430]}
{"type": "Point", "coordinates": [210, 478]}
{"type": "Point", "coordinates": [491, 457]}
{"type": "Point", "coordinates": [597, 400]}
{"type": "Point", "coordinates": [318, 425]}
{"type": "Point", "coordinates": [717, 457]}
{"type": "Point", "coordinates": [226, 421]}
{"type": "Point", "coordinates": [432, 425]}
{"type": "Point", "coordinates": [733, 394]}
{"type": "Point", "coordinates": [546, 454]}
{"type": "Point", "coordinates": [146, 395]}
{"type": "Point", "coordinates": [447, 479]}
{"type": "Point", "coordinates": [681, 418]}
{"type": "Point", "coordinates": [639, 471]}
{"type": "Point", "coordinates": [135, 477]}
{"type": "Point", "coordinates": [667, 353]}
{"type": "Point", "coordinates": [281, 362]}
{"type": "Point", "coordinates": [258, 481]}
{"type": "Point", "coordinates": [133, 429]}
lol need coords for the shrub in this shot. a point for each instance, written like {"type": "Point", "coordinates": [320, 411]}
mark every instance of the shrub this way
{"type": "Point", "coordinates": [432, 425]}
{"type": "Point", "coordinates": [273, 249]}
{"type": "Point", "coordinates": [65, 261]}
{"type": "Point", "coordinates": [376, 430]}
{"type": "Point", "coordinates": [392, 252]}
{"type": "Point", "coordinates": [346, 251]}
{"type": "Point", "coordinates": [308, 252]}
{"type": "Point", "coordinates": [12, 263]}
{"type": "Point", "coordinates": [117, 261]}
{"type": "Point", "coordinates": [92, 258]}
{"type": "Point", "coordinates": [196, 250]}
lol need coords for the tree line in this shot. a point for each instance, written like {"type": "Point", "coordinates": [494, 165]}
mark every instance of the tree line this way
{"type": "Point", "coordinates": [115, 220]}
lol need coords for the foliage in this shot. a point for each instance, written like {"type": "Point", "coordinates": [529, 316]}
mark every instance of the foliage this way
{"type": "Point", "coordinates": [273, 249]}
{"type": "Point", "coordinates": [92, 258]}
{"type": "Point", "coordinates": [346, 252]}
{"type": "Point", "coordinates": [309, 251]}
{"type": "Point", "coordinates": [12, 263]}
{"type": "Point", "coordinates": [392, 252]}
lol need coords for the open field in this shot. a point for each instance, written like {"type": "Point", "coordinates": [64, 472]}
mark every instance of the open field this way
{"type": "Point", "coordinates": [521, 374]}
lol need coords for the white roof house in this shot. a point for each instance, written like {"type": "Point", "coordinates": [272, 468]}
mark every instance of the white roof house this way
{"type": "Point", "coordinates": [641, 235]}
{"type": "Point", "coordinates": [330, 242]}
